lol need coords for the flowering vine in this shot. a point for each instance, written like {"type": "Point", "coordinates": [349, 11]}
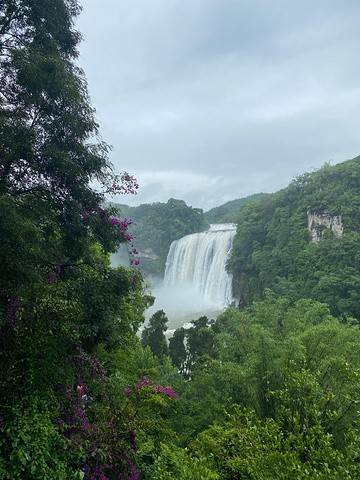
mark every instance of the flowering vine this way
{"type": "Point", "coordinates": [123, 183]}
{"type": "Point", "coordinates": [121, 226]}
{"type": "Point", "coordinates": [52, 274]}
{"type": "Point", "coordinates": [146, 383]}
{"type": "Point", "coordinates": [102, 449]}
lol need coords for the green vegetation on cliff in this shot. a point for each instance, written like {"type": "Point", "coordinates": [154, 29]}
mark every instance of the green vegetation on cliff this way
{"type": "Point", "coordinates": [273, 248]}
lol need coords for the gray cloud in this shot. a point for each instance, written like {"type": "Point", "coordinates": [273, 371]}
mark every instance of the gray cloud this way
{"type": "Point", "coordinates": [211, 100]}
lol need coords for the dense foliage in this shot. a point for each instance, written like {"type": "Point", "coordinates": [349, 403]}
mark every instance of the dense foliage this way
{"type": "Point", "coordinates": [272, 247]}
{"type": "Point", "coordinates": [59, 298]}
{"type": "Point", "coordinates": [278, 385]}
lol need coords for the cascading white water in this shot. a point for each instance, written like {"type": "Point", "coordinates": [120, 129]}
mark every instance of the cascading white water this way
{"type": "Point", "coordinates": [199, 259]}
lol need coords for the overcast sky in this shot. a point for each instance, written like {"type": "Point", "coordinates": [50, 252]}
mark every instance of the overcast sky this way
{"type": "Point", "coordinates": [212, 100]}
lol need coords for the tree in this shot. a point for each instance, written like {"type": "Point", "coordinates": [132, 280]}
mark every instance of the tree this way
{"type": "Point", "coordinates": [154, 334]}
{"type": "Point", "coordinates": [49, 145]}
{"type": "Point", "coordinates": [200, 341]}
{"type": "Point", "coordinates": [188, 345]}
{"type": "Point", "coordinates": [245, 447]}
{"type": "Point", "coordinates": [177, 350]}
{"type": "Point", "coordinates": [59, 297]}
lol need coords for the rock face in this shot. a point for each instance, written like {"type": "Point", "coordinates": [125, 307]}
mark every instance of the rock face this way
{"type": "Point", "coordinates": [148, 253]}
{"type": "Point", "coordinates": [318, 222]}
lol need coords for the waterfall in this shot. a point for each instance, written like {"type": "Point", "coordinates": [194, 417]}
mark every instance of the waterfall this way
{"type": "Point", "coordinates": [199, 260]}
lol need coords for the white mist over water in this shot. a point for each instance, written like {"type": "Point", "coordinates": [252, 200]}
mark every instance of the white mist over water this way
{"type": "Point", "coordinates": [196, 282]}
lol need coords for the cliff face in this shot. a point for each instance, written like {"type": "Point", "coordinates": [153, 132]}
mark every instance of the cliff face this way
{"type": "Point", "coordinates": [318, 222]}
{"type": "Point", "coordinates": [149, 254]}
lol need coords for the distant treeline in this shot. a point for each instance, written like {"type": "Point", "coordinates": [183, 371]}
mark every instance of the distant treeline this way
{"type": "Point", "coordinates": [227, 213]}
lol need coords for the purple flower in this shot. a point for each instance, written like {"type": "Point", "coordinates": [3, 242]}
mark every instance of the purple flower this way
{"type": "Point", "coordinates": [85, 213]}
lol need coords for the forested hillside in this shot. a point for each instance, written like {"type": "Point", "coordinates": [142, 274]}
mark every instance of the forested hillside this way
{"type": "Point", "coordinates": [268, 392]}
{"type": "Point", "coordinates": [273, 248]}
{"type": "Point", "coordinates": [227, 213]}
